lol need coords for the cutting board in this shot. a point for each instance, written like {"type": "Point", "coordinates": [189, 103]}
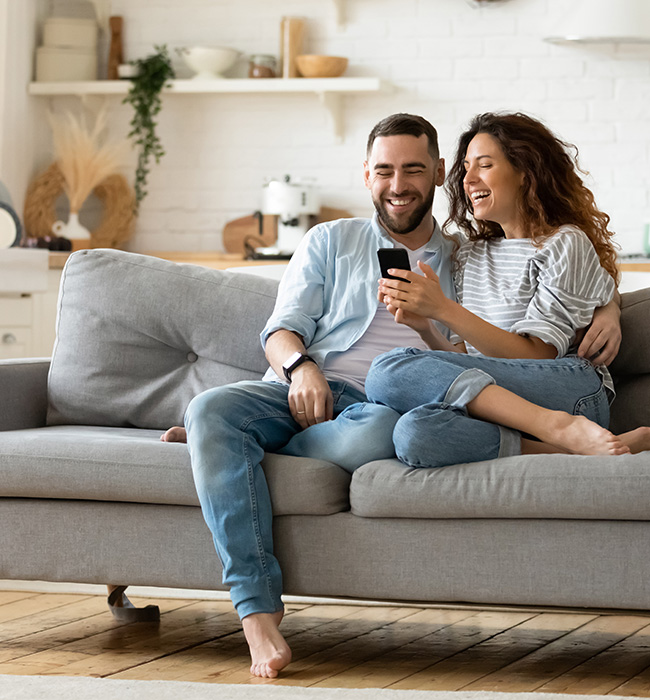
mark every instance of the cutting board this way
{"type": "Point", "coordinates": [235, 232]}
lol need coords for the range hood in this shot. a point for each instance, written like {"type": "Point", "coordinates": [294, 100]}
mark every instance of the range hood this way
{"type": "Point", "coordinates": [604, 21]}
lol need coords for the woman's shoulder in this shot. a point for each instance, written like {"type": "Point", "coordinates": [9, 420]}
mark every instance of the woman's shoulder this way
{"type": "Point", "coordinates": [568, 241]}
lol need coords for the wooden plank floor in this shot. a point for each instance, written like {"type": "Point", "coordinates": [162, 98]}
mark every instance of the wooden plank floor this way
{"type": "Point", "coordinates": [352, 646]}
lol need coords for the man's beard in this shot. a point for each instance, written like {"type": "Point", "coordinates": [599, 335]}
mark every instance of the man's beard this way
{"type": "Point", "coordinates": [392, 225]}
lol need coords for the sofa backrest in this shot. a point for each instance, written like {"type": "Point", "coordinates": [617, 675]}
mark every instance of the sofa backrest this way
{"type": "Point", "coordinates": [139, 337]}
{"type": "Point", "coordinates": [631, 368]}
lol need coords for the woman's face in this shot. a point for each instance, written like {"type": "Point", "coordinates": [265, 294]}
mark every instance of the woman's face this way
{"type": "Point", "coordinates": [493, 185]}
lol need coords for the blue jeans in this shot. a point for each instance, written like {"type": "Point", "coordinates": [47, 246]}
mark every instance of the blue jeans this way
{"type": "Point", "coordinates": [228, 430]}
{"type": "Point", "coordinates": [431, 389]}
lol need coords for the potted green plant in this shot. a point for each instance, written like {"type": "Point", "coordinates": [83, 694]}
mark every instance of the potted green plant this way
{"type": "Point", "coordinates": [153, 73]}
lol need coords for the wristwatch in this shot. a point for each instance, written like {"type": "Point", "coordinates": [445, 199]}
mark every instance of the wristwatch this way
{"type": "Point", "coordinates": [294, 361]}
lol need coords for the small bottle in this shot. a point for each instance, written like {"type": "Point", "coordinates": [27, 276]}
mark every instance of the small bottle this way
{"type": "Point", "coordinates": [262, 66]}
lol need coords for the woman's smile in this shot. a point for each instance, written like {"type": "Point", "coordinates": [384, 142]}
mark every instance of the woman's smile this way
{"type": "Point", "coordinates": [493, 185]}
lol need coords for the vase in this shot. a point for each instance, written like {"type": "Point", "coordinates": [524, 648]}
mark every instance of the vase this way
{"type": "Point", "coordinates": [78, 235]}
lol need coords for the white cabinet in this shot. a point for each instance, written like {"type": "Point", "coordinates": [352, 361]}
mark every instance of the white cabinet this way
{"type": "Point", "coordinates": [16, 320]}
{"type": "Point", "coordinates": [27, 321]}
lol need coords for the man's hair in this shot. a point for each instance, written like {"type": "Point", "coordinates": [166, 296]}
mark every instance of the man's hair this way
{"type": "Point", "coordinates": [409, 124]}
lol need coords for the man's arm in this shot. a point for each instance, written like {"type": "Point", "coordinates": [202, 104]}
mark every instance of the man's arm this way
{"type": "Point", "coordinates": [602, 338]}
{"type": "Point", "coordinates": [310, 397]}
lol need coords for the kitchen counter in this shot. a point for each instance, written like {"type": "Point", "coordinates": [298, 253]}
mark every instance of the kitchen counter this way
{"type": "Point", "coordinates": [216, 261]}
{"type": "Point", "coordinates": [221, 261]}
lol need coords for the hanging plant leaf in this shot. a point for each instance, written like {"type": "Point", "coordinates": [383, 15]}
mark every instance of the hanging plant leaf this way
{"type": "Point", "coordinates": [153, 73]}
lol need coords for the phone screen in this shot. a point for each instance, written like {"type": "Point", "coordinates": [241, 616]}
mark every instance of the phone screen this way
{"type": "Point", "coordinates": [396, 258]}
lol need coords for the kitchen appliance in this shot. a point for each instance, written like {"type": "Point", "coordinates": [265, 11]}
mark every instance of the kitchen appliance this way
{"type": "Point", "coordinates": [293, 203]}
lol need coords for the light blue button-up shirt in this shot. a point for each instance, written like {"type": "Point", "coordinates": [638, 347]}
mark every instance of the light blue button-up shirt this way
{"type": "Point", "coordinates": [328, 293]}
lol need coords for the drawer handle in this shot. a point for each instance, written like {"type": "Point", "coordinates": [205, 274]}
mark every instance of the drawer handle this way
{"type": "Point", "coordinates": [9, 339]}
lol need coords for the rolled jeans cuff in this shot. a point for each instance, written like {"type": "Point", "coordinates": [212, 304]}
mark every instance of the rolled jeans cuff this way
{"type": "Point", "coordinates": [466, 387]}
{"type": "Point", "coordinates": [509, 442]}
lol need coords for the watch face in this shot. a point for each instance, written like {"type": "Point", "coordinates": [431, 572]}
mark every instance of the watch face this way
{"type": "Point", "coordinates": [292, 360]}
{"type": "Point", "coordinates": [9, 226]}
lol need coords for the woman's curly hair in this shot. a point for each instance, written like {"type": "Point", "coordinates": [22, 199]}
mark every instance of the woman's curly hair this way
{"type": "Point", "coordinates": [553, 193]}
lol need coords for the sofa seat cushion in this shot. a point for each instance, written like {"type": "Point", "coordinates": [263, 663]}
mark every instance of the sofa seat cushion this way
{"type": "Point", "coordinates": [528, 486]}
{"type": "Point", "coordinates": [139, 337]}
{"type": "Point", "coordinates": [132, 465]}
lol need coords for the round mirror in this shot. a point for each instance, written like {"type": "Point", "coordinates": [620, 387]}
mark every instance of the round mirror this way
{"type": "Point", "coordinates": [9, 226]}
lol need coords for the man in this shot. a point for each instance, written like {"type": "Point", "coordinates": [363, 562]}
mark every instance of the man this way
{"type": "Point", "coordinates": [325, 330]}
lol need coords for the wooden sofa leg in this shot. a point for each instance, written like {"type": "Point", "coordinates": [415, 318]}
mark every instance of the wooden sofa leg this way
{"type": "Point", "coordinates": [123, 609]}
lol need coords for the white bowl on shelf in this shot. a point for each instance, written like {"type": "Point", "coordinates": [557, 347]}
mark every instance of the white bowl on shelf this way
{"type": "Point", "coordinates": [209, 62]}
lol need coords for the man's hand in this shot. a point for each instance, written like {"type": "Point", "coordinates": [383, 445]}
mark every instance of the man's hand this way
{"type": "Point", "coordinates": [310, 396]}
{"type": "Point", "coordinates": [602, 338]}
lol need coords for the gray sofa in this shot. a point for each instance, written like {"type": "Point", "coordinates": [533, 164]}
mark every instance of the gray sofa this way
{"type": "Point", "coordinates": [88, 493]}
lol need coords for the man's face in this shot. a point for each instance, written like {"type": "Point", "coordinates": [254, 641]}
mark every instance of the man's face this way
{"type": "Point", "coordinates": [402, 176]}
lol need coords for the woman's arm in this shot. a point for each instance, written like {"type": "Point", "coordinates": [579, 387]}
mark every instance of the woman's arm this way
{"type": "Point", "coordinates": [424, 297]}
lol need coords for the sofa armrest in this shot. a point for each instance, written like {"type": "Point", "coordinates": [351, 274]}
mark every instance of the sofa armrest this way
{"type": "Point", "coordinates": [634, 355]}
{"type": "Point", "coordinates": [23, 388]}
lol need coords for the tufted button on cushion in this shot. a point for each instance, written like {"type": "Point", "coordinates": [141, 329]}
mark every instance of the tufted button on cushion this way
{"type": "Point", "coordinates": [192, 357]}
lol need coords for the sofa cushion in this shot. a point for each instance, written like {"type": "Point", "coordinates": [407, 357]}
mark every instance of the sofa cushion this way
{"type": "Point", "coordinates": [139, 337]}
{"type": "Point", "coordinates": [634, 354]}
{"type": "Point", "coordinates": [529, 486]}
{"type": "Point", "coordinates": [131, 465]}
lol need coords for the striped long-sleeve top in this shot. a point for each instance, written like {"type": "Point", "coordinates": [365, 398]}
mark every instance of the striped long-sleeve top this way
{"type": "Point", "coordinates": [548, 292]}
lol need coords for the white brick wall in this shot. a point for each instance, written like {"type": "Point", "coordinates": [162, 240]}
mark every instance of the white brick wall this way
{"type": "Point", "coordinates": [447, 59]}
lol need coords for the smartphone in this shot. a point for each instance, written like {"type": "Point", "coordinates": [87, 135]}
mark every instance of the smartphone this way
{"type": "Point", "coordinates": [396, 258]}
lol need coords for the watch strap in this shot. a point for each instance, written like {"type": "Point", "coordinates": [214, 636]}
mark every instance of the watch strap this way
{"type": "Point", "coordinates": [288, 371]}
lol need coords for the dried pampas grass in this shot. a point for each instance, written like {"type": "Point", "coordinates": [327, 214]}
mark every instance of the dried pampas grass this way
{"type": "Point", "coordinates": [114, 192]}
{"type": "Point", "coordinates": [85, 159]}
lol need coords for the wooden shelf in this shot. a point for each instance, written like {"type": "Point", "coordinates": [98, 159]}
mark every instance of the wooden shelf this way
{"type": "Point", "coordinates": [329, 90]}
{"type": "Point", "coordinates": [225, 85]}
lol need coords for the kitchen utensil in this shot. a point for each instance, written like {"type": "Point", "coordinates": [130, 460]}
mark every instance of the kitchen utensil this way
{"type": "Point", "coordinates": [209, 62]}
{"type": "Point", "coordinates": [292, 31]}
{"type": "Point", "coordinates": [315, 66]}
{"type": "Point", "coordinates": [116, 52]}
{"type": "Point", "coordinates": [248, 228]}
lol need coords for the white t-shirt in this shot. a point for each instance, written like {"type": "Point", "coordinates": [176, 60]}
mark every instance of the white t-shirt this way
{"type": "Point", "coordinates": [383, 334]}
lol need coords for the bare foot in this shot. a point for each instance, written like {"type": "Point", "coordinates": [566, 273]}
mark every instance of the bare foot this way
{"type": "Point", "coordinates": [175, 434]}
{"type": "Point", "coordinates": [269, 651]}
{"type": "Point", "coordinates": [637, 440]}
{"type": "Point", "coordinates": [579, 435]}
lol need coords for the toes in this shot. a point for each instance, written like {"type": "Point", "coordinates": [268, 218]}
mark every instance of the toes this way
{"type": "Point", "coordinates": [263, 670]}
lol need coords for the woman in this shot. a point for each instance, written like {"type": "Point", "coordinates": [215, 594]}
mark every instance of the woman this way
{"type": "Point", "coordinates": [537, 263]}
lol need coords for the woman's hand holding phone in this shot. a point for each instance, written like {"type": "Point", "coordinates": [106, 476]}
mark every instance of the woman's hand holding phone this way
{"type": "Point", "coordinates": [415, 294]}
